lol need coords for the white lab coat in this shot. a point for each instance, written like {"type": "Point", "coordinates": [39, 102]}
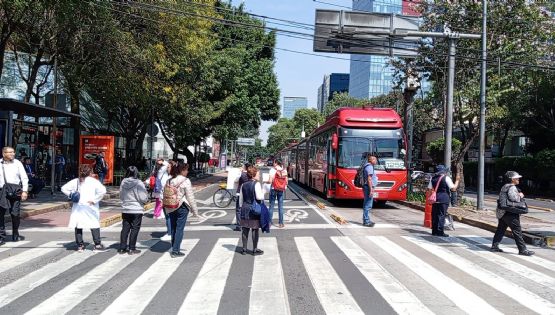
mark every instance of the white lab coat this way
{"type": "Point", "coordinates": [84, 215]}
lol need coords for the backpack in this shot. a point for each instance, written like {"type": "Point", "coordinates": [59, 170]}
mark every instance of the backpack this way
{"type": "Point", "coordinates": [151, 182]}
{"type": "Point", "coordinates": [359, 177]}
{"type": "Point", "coordinates": [279, 181]}
{"type": "Point", "coordinates": [171, 199]}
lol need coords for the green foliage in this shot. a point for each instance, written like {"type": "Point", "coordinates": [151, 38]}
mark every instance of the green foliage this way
{"type": "Point", "coordinates": [436, 149]}
{"type": "Point", "coordinates": [342, 100]}
{"type": "Point", "coordinates": [416, 196]}
{"type": "Point", "coordinates": [287, 131]}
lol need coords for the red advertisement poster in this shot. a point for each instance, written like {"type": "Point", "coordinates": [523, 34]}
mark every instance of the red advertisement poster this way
{"type": "Point", "coordinates": [91, 146]}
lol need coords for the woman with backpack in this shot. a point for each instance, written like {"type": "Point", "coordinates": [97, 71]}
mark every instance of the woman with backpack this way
{"type": "Point", "coordinates": [179, 199]}
{"type": "Point", "coordinates": [251, 192]}
{"type": "Point", "coordinates": [85, 212]}
{"type": "Point", "coordinates": [133, 195]}
{"type": "Point", "coordinates": [163, 181]}
{"type": "Point", "coordinates": [278, 180]}
{"type": "Point", "coordinates": [442, 184]}
{"type": "Point", "coordinates": [510, 206]}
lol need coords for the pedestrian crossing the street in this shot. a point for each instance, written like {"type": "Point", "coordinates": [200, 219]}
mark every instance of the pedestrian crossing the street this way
{"type": "Point", "coordinates": [409, 274]}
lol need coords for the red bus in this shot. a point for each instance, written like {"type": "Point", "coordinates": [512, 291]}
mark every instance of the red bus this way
{"type": "Point", "coordinates": [328, 159]}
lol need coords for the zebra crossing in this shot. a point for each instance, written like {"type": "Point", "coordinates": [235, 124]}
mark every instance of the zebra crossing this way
{"type": "Point", "coordinates": [412, 274]}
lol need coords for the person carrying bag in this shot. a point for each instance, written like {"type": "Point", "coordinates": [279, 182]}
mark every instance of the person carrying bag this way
{"type": "Point", "coordinates": [15, 184]}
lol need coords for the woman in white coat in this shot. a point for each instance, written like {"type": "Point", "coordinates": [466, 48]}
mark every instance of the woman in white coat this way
{"type": "Point", "coordinates": [85, 214]}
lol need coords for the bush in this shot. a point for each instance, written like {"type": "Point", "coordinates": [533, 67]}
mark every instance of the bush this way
{"type": "Point", "coordinates": [435, 149]}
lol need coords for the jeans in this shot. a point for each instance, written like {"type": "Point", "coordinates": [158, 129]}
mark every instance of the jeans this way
{"type": "Point", "coordinates": [14, 211]}
{"type": "Point", "coordinates": [101, 177]}
{"type": "Point", "coordinates": [79, 236]}
{"type": "Point", "coordinates": [131, 224]}
{"type": "Point", "coordinates": [279, 195]}
{"type": "Point", "coordinates": [178, 218]}
{"type": "Point", "coordinates": [168, 224]}
{"type": "Point", "coordinates": [367, 204]}
{"type": "Point", "coordinates": [511, 220]}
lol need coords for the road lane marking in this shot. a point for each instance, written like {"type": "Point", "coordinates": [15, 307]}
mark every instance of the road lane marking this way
{"type": "Point", "coordinates": [401, 299]}
{"type": "Point", "coordinates": [139, 294]}
{"type": "Point", "coordinates": [537, 260]}
{"type": "Point", "coordinates": [313, 207]}
{"type": "Point", "coordinates": [465, 299]}
{"type": "Point", "coordinates": [12, 245]}
{"type": "Point", "coordinates": [77, 291]}
{"type": "Point", "coordinates": [30, 254]}
{"type": "Point", "coordinates": [331, 291]}
{"type": "Point", "coordinates": [268, 290]}
{"type": "Point", "coordinates": [508, 288]}
{"type": "Point", "coordinates": [521, 270]}
{"type": "Point", "coordinates": [207, 290]}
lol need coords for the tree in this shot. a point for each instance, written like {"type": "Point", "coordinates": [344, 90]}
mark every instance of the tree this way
{"type": "Point", "coordinates": [11, 13]}
{"type": "Point", "coordinates": [287, 130]}
{"type": "Point", "coordinates": [342, 100]}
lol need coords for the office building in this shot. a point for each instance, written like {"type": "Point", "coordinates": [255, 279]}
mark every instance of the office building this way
{"type": "Point", "coordinates": [291, 104]}
{"type": "Point", "coordinates": [333, 83]}
{"type": "Point", "coordinates": [371, 75]}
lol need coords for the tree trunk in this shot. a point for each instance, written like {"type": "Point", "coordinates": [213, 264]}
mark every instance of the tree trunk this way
{"type": "Point", "coordinates": [504, 139]}
{"type": "Point", "coordinates": [75, 121]}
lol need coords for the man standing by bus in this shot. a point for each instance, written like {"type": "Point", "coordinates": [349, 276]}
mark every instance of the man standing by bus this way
{"type": "Point", "coordinates": [370, 183]}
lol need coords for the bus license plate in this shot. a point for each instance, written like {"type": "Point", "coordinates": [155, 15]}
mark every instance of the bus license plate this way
{"type": "Point", "coordinates": [375, 195]}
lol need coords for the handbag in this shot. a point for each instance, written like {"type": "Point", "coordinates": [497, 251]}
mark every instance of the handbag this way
{"type": "Point", "coordinates": [256, 208]}
{"type": "Point", "coordinates": [76, 195]}
{"type": "Point", "coordinates": [432, 197]}
{"type": "Point", "coordinates": [13, 191]}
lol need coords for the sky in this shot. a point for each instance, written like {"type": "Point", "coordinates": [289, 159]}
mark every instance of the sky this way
{"type": "Point", "coordinates": [298, 75]}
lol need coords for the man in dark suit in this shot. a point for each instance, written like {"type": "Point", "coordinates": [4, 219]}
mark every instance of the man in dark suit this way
{"type": "Point", "coordinates": [34, 180]}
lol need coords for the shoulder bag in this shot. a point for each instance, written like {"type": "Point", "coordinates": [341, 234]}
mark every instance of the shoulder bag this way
{"type": "Point", "coordinates": [13, 191]}
{"type": "Point", "coordinates": [432, 197]}
{"type": "Point", "coordinates": [76, 195]}
{"type": "Point", "coordinates": [256, 208]}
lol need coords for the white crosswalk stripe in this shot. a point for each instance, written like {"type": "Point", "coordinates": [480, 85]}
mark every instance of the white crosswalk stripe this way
{"type": "Point", "coordinates": [325, 280]}
{"type": "Point", "coordinates": [267, 269]}
{"type": "Point", "coordinates": [206, 292]}
{"type": "Point", "coordinates": [11, 245]}
{"type": "Point", "coordinates": [465, 299]}
{"type": "Point", "coordinates": [135, 298]}
{"type": "Point", "coordinates": [398, 296]}
{"type": "Point", "coordinates": [521, 295]}
{"type": "Point", "coordinates": [73, 294]}
{"type": "Point", "coordinates": [392, 265]}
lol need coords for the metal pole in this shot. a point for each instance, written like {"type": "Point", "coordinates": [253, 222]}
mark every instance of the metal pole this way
{"type": "Point", "coordinates": [449, 108]}
{"type": "Point", "coordinates": [409, 101]}
{"type": "Point", "coordinates": [480, 203]}
{"type": "Point", "coordinates": [54, 131]}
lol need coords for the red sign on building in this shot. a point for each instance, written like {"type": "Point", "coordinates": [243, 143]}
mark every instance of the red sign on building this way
{"type": "Point", "coordinates": [91, 146]}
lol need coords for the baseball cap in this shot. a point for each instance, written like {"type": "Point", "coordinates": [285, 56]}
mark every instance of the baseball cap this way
{"type": "Point", "coordinates": [441, 168]}
{"type": "Point", "coordinates": [513, 174]}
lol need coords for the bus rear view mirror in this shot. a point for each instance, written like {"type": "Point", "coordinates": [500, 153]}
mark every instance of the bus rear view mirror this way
{"type": "Point", "coordinates": [334, 141]}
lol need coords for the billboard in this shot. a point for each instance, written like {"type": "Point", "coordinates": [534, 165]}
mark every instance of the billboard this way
{"type": "Point", "coordinates": [91, 146]}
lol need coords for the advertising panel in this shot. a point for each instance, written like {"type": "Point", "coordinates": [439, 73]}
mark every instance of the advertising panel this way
{"type": "Point", "coordinates": [91, 146]}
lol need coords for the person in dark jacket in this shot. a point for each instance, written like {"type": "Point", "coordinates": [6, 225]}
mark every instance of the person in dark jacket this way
{"type": "Point", "coordinates": [251, 192]}
{"type": "Point", "coordinates": [133, 195]}
{"type": "Point", "coordinates": [510, 192]}
{"type": "Point", "coordinates": [243, 178]}
{"type": "Point", "coordinates": [439, 208]}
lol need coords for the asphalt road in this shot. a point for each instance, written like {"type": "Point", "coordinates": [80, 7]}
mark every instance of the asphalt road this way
{"type": "Point", "coordinates": [312, 266]}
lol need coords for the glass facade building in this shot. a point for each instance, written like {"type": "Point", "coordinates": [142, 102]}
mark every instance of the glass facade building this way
{"type": "Point", "coordinates": [370, 74]}
{"type": "Point", "coordinates": [333, 83]}
{"type": "Point", "coordinates": [291, 104]}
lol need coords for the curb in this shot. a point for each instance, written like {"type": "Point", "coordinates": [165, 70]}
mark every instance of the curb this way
{"type": "Point", "coordinates": [531, 239]}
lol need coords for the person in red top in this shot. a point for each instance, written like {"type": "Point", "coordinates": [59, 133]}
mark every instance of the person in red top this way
{"type": "Point", "coordinates": [278, 184]}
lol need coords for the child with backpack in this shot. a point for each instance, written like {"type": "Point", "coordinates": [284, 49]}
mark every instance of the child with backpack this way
{"type": "Point", "coordinates": [178, 200]}
{"type": "Point", "coordinates": [278, 180]}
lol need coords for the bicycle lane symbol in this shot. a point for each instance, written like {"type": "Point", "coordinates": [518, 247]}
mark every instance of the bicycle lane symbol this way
{"type": "Point", "coordinates": [209, 214]}
{"type": "Point", "coordinates": [295, 215]}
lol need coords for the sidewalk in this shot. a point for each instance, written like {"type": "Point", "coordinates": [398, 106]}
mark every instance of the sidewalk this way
{"type": "Point", "coordinates": [536, 230]}
{"type": "Point", "coordinates": [54, 210]}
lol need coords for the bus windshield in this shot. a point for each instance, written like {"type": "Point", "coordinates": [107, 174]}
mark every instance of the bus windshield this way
{"type": "Point", "coordinates": [388, 144]}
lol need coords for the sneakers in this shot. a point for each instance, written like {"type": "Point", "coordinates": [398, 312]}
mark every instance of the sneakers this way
{"type": "Point", "coordinates": [526, 253]}
{"type": "Point", "coordinates": [257, 252]}
{"type": "Point", "coordinates": [369, 224]}
{"type": "Point", "coordinates": [177, 254]}
{"type": "Point", "coordinates": [281, 226]}
{"type": "Point", "coordinates": [122, 251]}
{"type": "Point", "coordinates": [134, 251]}
{"type": "Point", "coordinates": [99, 248]}
{"type": "Point", "coordinates": [495, 248]}
{"type": "Point", "coordinates": [80, 248]}
{"type": "Point", "coordinates": [166, 237]}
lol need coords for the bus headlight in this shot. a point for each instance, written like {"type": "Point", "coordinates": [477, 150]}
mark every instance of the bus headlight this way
{"type": "Point", "coordinates": [342, 185]}
{"type": "Point", "coordinates": [402, 187]}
